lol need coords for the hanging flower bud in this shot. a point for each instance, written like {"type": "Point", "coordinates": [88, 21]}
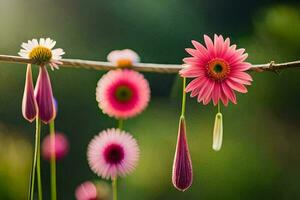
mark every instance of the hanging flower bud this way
{"type": "Point", "coordinates": [218, 132]}
{"type": "Point", "coordinates": [182, 176]}
{"type": "Point", "coordinates": [29, 105]}
{"type": "Point", "coordinates": [44, 96]}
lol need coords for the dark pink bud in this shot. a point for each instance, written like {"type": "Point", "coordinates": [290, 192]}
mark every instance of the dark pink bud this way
{"type": "Point", "coordinates": [182, 176]}
{"type": "Point", "coordinates": [44, 96]}
{"type": "Point", "coordinates": [60, 146]}
{"type": "Point", "coordinates": [29, 105]}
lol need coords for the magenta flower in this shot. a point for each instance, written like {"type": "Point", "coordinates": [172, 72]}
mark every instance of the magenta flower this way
{"type": "Point", "coordinates": [44, 96]}
{"type": "Point", "coordinates": [113, 153]}
{"type": "Point", "coordinates": [86, 191]}
{"type": "Point", "coordinates": [218, 69]}
{"type": "Point", "coordinates": [123, 58]}
{"type": "Point", "coordinates": [122, 93]}
{"type": "Point", "coordinates": [29, 104]}
{"type": "Point", "coordinates": [182, 176]}
{"type": "Point", "coordinates": [60, 147]}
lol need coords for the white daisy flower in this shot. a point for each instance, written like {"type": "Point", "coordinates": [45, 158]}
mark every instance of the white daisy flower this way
{"type": "Point", "coordinates": [42, 52]}
{"type": "Point", "coordinates": [123, 58]}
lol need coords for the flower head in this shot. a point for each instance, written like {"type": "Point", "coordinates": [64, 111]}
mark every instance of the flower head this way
{"type": "Point", "coordinates": [218, 69]}
{"type": "Point", "coordinates": [113, 153]}
{"type": "Point", "coordinates": [29, 104]}
{"type": "Point", "coordinates": [182, 176]}
{"type": "Point", "coordinates": [41, 52]}
{"type": "Point", "coordinates": [44, 96]}
{"type": "Point", "coordinates": [122, 93]}
{"type": "Point", "coordinates": [86, 191]}
{"type": "Point", "coordinates": [123, 58]}
{"type": "Point", "coordinates": [60, 147]}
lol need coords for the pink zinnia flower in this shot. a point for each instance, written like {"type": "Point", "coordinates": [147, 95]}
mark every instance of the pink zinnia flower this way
{"type": "Point", "coordinates": [86, 191]}
{"type": "Point", "coordinates": [60, 147]}
{"type": "Point", "coordinates": [113, 153]}
{"type": "Point", "coordinates": [218, 69]}
{"type": "Point", "coordinates": [182, 176]}
{"type": "Point", "coordinates": [29, 104]}
{"type": "Point", "coordinates": [122, 93]}
{"type": "Point", "coordinates": [123, 58]}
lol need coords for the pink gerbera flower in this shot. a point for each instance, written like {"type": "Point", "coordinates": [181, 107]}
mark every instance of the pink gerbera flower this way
{"type": "Point", "coordinates": [113, 153]}
{"type": "Point", "coordinates": [60, 147]}
{"type": "Point", "coordinates": [218, 69]}
{"type": "Point", "coordinates": [122, 93]}
{"type": "Point", "coordinates": [86, 191]}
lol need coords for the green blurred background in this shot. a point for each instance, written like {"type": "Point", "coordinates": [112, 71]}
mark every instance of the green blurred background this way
{"type": "Point", "coordinates": [260, 156]}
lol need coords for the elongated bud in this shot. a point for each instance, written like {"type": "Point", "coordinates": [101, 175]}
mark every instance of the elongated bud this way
{"type": "Point", "coordinates": [218, 132]}
{"type": "Point", "coordinates": [182, 176]}
{"type": "Point", "coordinates": [44, 96]}
{"type": "Point", "coordinates": [29, 105]}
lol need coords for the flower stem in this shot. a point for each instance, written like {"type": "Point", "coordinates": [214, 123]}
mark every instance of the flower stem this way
{"type": "Point", "coordinates": [33, 167]}
{"type": "Point", "coordinates": [53, 161]}
{"type": "Point", "coordinates": [219, 107]}
{"type": "Point", "coordinates": [38, 160]}
{"type": "Point", "coordinates": [183, 97]}
{"type": "Point", "coordinates": [120, 123]}
{"type": "Point", "coordinates": [115, 189]}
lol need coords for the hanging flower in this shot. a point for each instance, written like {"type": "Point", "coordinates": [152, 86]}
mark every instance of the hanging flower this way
{"type": "Point", "coordinates": [60, 147]}
{"type": "Point", "coordinates": [113, 153]}
{"type": "Point", "coordinates": [122, 93]}
{"type": "Point", "coordinates": [218, 69]}
{"type": "Point", "coordinates": [218, 132]}
{"type": "Point", "coordinates": [123, 58]}
{"type": "Point", "coordinates": [86, 191]}
{"type": "Point", "coordinates": [182, 176]}
{"type": "Point", "coordinates": [42, 52]}
{"type": "Point", "coordinates": [29, 105]}
{"type": "Point", "coordinates": [44, 96]}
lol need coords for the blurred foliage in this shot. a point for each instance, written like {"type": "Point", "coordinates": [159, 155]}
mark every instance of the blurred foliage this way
{"type": "Point", "coordinates": [260, 156]}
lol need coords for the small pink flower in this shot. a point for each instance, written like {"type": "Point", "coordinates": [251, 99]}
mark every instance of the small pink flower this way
{"type": "Point", "coordinates": [60, 147]}
{"type": "Point", "coordinates": [44, 96]}
{"type": "Point", "coordinates": [122, 93]}
{"type": "Point", "coordinates": [218, 69]}
{"type": "Point", "coordinates": [29, 104]}
{"type": "Point", "coordinates": [113, 153]}
{"type": "Point", "coordinates": [123, 58]}
{"type": "Point", "coordinates": [86, 191]}
{"type": "Point", "coordinates": [182, 176]}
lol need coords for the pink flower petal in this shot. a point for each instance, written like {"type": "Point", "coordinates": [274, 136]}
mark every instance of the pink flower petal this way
{"type": "Point", "coordinates": [236, 86]}
{"type": "Point", "coordinates": [182, 176]}
{"type": "Point", "coordinates": [29, 104]}
{"type": "Point", "coordinates": [228, 92]}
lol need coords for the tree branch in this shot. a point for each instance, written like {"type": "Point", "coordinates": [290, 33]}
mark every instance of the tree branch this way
{"type": "Point", "coordinates": [145, 67]}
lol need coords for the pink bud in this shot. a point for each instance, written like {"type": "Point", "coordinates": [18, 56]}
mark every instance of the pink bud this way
{"type": "Point", "coordinates": [44, 96]}
{"type": "Point", "coordinates": [182, 176]}
{"type": "Point", "coordinates": [86, 191]}
{"type": "Point", "coordinates": [29, 104]}
{"type": "Point", "coordinates": [60, 147]}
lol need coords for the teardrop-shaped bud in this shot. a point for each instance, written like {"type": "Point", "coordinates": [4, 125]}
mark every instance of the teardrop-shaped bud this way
{"type": "Point", "coordinates": [218, 132]}
{"type": "Point", "coordinates": [29, 105]}
{"type": "Point", "coordinates": [44, 96]}
{"type": "Point", "coordinates": [182, 176]}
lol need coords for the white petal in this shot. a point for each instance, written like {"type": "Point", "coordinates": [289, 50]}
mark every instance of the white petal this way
{"type": "Point", "coordinates": [35, 42]}
{"type": "Point", "coordinates": [42, 42]}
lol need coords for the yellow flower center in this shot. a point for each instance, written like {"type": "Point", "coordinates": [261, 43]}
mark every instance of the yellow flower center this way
{"type": "Point", "coordinates": [123, 63]}
{"type": "Point", "coordinates": [40, 55]}
{"type": "Point", "coordinates": [218, 69]}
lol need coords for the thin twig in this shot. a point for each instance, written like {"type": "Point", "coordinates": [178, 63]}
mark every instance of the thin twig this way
{"type": "Point", "coordinates": [145, 67]}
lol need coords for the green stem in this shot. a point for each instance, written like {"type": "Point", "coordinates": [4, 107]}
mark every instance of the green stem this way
{"type": "Point", "coordinates": [115, 189]}
{"type": "Point", "coordinates": [38, 166]}
{"type": "Point", "coordinates": [120, 124]}
{"type": "Point", "coordinates": [219, 107]}
{"type": "Point", "coordinates": [183, 97]}
{"type": "Point", "coordinates": [33, 167]}
{"type": "Point", "coordinates": [53, 162]}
